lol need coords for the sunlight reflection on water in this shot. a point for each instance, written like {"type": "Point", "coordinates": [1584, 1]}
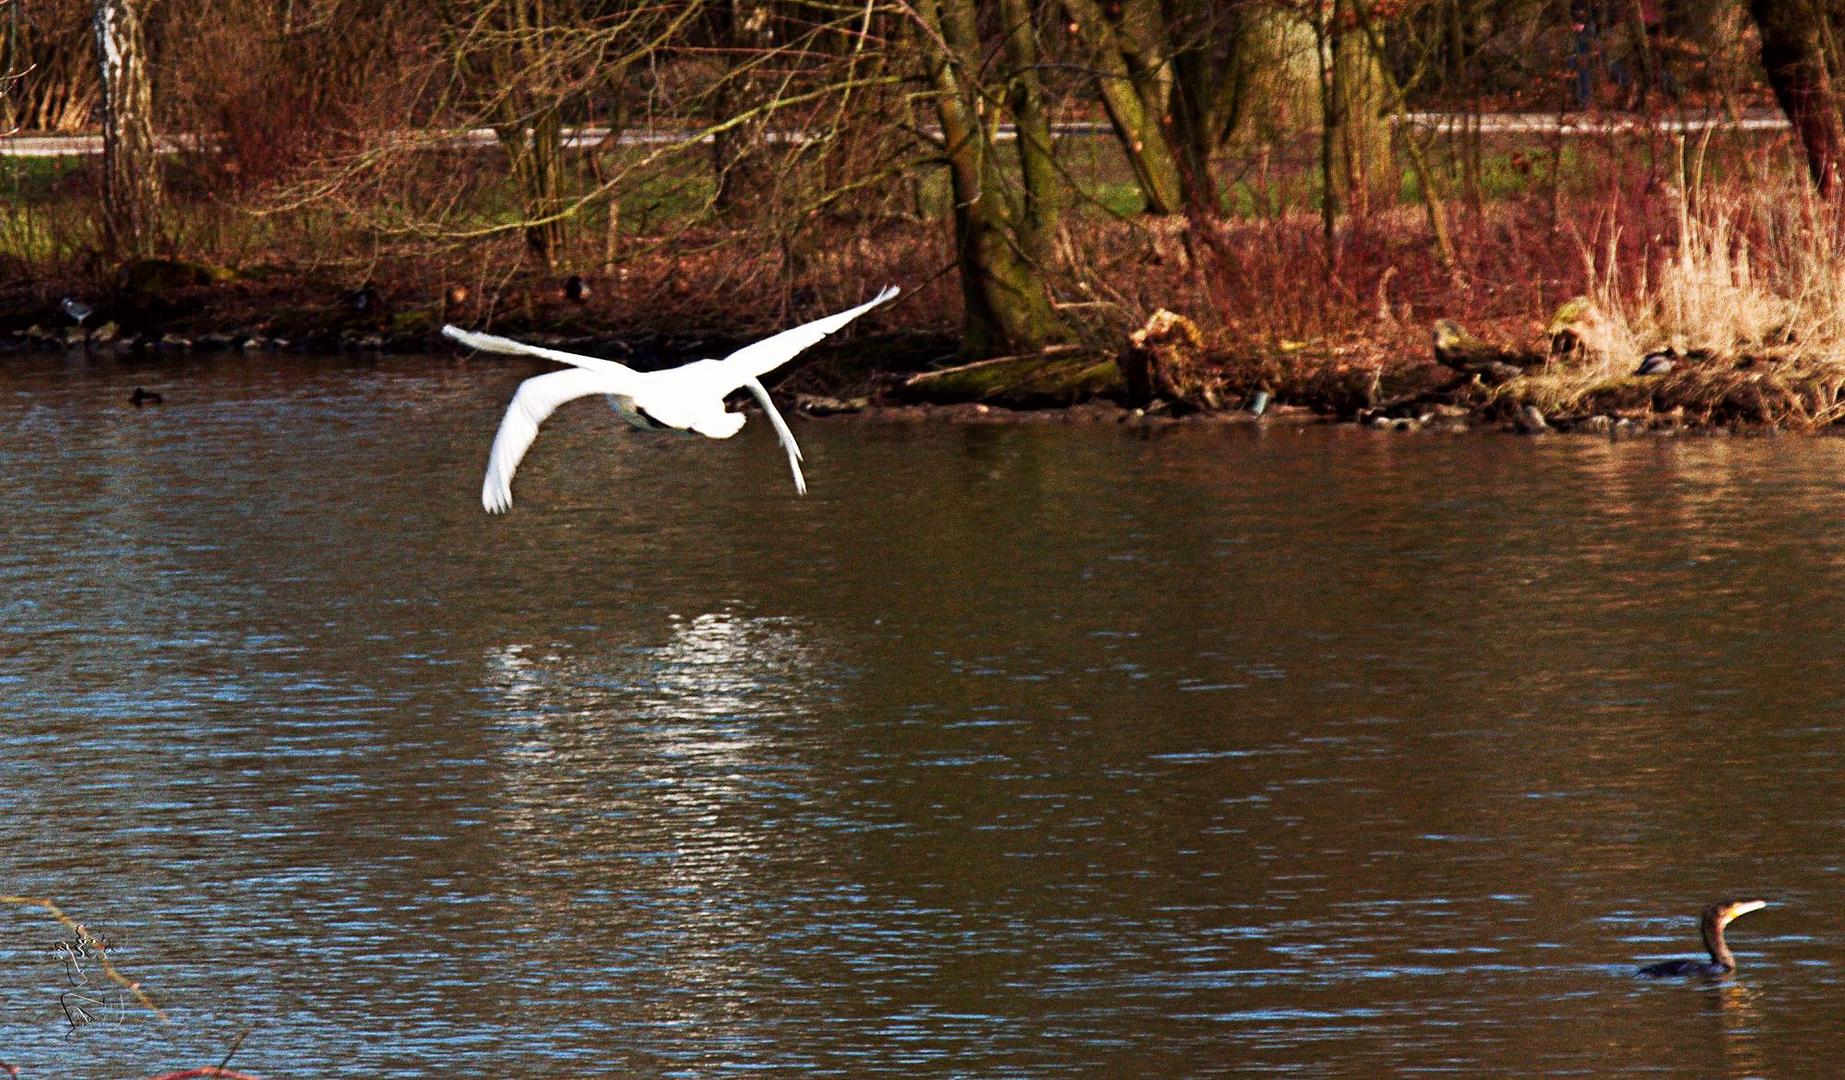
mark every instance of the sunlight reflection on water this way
{"type": "Point", "coordinates": [1005, 752]}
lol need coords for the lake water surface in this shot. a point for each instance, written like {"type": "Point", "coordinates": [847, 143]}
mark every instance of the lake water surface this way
{"type": "Point", "coordinates": [1008, 751]}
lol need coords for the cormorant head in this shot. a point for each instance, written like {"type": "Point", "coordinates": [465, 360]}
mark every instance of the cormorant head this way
{"type": "Point", "coordinates": [1725, 910]}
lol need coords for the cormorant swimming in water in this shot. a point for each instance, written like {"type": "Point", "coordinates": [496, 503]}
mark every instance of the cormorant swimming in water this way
{"type": "Point", "coordinates": [1716, 917]}
{"type": "Point", "coordinates": [144, 397]}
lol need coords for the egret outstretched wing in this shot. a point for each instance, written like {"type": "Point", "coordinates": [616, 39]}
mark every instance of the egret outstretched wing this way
{"type": "Point", "coordinates": [688, 398]}
{"type": "Point", "coordinates": [538, 398]}
{"type": "Point", "coordinates": [781, 432]}
{"type": "Point", "coordinates": [754, 361]}
{"type": "Point", "coordinates": [496, 344]}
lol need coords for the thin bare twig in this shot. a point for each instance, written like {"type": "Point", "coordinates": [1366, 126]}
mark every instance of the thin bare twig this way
{"type": "Point", "coordinates": [93, 942]}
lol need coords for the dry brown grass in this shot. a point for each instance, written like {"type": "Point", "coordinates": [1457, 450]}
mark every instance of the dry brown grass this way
{"type": "Point", "coordinates": [1747, 287]}
{"type": "Point", "coordinates": [1748, 269]}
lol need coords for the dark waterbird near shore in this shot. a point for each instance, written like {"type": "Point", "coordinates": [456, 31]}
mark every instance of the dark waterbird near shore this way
{"type": "Point", "coordinates": [1457, 349]}
{"type": "Point", "coordinates": [1721, 962]}
{"type": "Point", "coordinates": [1657, 363]}
{"type": "Point", "coordinates": [143, 396]}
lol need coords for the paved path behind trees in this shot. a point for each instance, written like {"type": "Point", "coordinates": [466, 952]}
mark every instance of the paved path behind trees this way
{"type": "Point", "coordinates": [46, 146]}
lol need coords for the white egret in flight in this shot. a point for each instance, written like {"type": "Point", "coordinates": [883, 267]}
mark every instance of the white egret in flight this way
{"type": "Point", "coordinates": [687, 398]}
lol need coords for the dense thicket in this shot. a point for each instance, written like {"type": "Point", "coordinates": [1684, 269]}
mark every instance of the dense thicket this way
{"type": "Point", "coordinates": [595, 131]}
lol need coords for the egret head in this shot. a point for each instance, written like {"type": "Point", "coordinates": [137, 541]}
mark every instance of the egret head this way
{"type": "Point", "coordinates": [719, 425]}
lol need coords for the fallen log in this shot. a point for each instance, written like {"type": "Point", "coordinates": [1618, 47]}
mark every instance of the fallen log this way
{"type": "Point", "coordinates": [1059, 376]}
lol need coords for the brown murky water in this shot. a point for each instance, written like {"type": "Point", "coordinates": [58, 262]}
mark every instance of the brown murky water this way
{"type": "Point", "coordinates": [1007, 752]}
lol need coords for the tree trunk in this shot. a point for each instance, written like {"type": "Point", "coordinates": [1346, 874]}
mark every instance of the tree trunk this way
{"type": "Point", "coordinates": [1364, 171]}
{"type": "Point", "coordinates": [1135, 109]}
{"type": "Point", "coordinates": [131, 169]}
{"type": "Point", "coordinates": [1332, 104]}
{"type": "Point", "coordinates": [610, 147]}
{"type": "Point", "coordinates": [535, 154]}
{"type": "Point", "coordinates": [1205, 100]}
{"type": "Point", "coordinates": [1795, 35]}
{"type": "Point", "coordinates": [1178, 78]}
{"type": "Point", "coordinates": [10, 65]}
{"type": "Point", "coordinates": [1412, 149]}
{"type": "Point", "coordinates": [745, 31]}
{"type": "Point", "coordinates": [1004, 305]}
{"type": "Point", "coordinates": [1040, 191]}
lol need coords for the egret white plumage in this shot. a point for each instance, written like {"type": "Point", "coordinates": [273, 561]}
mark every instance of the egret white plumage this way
{"type": "Point", "coordinates": [688, 398]}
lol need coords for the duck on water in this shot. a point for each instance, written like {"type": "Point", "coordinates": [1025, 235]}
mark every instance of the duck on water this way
{"type": "Point", "coordinates": [1721, 962]}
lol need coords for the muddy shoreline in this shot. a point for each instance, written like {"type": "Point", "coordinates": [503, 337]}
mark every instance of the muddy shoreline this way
{"type": "Point", "coordinates": [820, 392]}
{"type": "Point", "coordinates": [1280, 417]}
{"type": "Point", "coordinates": [893, 376]}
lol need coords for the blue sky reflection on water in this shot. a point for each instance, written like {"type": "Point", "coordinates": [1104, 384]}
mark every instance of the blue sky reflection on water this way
{"type": "Point", "coordinates": [1008, 751]}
